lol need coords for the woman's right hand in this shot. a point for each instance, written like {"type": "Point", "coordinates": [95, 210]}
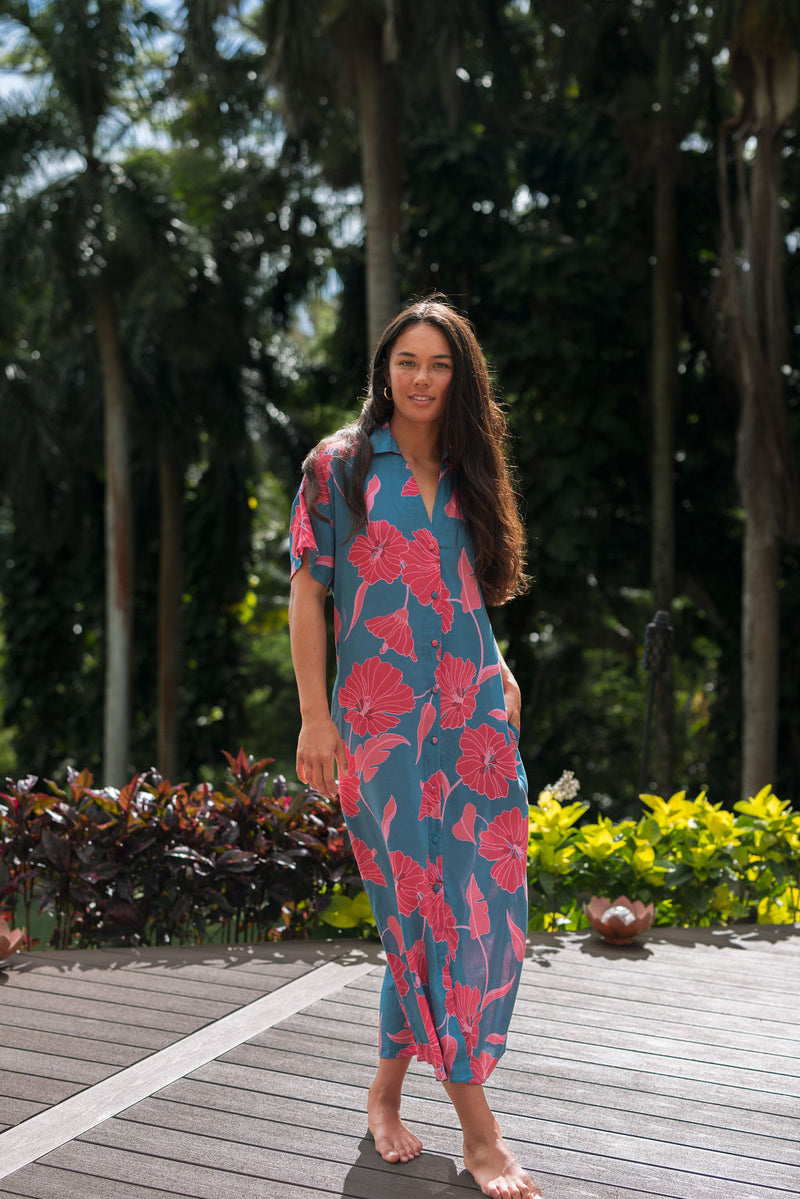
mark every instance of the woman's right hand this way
{"type": "Point", "coordinates": [321, 756]}
{"type": "Point", "coordinates": [321, 753]}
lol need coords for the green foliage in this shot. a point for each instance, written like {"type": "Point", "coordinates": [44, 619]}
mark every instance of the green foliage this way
{"type": "Point", "coordinates": [237, 258]}
{"type": "Point", "coordinates": [157, 863]}
{"type": "Point", "coordinates": [698, 863]}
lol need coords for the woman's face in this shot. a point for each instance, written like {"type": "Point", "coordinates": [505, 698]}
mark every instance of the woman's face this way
{"type": "Point", "coordinates": [420, 370]}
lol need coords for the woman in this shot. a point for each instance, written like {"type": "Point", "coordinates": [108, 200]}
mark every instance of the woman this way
{"type": "Point", "coordinates": [409, 518]}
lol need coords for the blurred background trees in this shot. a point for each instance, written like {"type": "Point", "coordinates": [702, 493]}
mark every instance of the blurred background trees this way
{"type": "Point", "coordinates": [611, 193]}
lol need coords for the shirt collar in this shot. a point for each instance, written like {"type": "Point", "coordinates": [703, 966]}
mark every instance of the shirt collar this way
{"type": "Point", "coordinates": [383, 441]}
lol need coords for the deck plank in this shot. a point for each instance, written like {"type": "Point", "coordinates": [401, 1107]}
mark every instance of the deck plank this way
{"type": "Point", "coordinates": [600, 1104]}
{"type": "Point", "coordinates": [665, 1071]}
{"type": "Point", "coordinates": [47, 1022]}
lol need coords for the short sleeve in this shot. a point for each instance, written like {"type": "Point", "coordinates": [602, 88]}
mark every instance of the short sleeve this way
{"type": "Point", "coordinates": [313, 533]}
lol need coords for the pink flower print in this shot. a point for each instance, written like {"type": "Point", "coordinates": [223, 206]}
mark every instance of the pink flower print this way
{"type": "Point", "coordinates": [368, 868]}
{"type": "Point", "coordinates": [322, 470]}
{"type": "Point", "coordinates": [422, 571]}
{"type": "Point", "coordinates": [349, 794]}
{"type": "Point", "coordinates": [442, 607]}
{"type": "Point", "coordinates": [505, 842]}
{"type": "Point", "coordinates": [430, 1052]}
{"type": "Point", "coordinates": [371, 490]}
{"type": "Point", "coordinates": [479, 922]}
{"type": "Point", "coordinates": [426, 719]}
{"type": "Point", "coordinates": [366, 758]}
{"type": "Point", "coordinates": [470, 590]}
{"type": "Point", "coordinates": [482, 1066]}
{"type": "Point", "coordinates": [404, 1037]}
{"type": "Point", "coordinates": [395, 631]}
{"type": "Point", "coordinates": [436, 911]}
{"type": "Point", "coordinates": [456, 679]}
{"type": "Point", "coordinates": [464, 829]}
{"type": "Point", "coordinates": [449, 1050]}
{"type": "Point", "coordinates": [410, 487]}
{"type": "Point", "coordinates": [487, 761]}
{"type": "Point", "coordinates": [409, 881]}
{"type": "Point", "coordinates": [430, 803]}
{"type": "Point", "coordinates": [453, 507]}
{"type": "Point", "coordinates": [464, 1003]}
{"type": "Point", "coordinates": [374, 697]}
{"type": "Point", "coordinates": [378, 553]}
{"type": "Point", "coordinates": [418, 964]}
{"type": "Point", "coordinates": [517, 938]}
{"type": "Point", "coordinates": [301, 532]}
{"type": "Point", "coordinates": [398, 969]}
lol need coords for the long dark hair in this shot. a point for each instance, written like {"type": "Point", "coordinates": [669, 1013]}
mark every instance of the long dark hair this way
{"type": "Point", "coordinates": [474, 434]}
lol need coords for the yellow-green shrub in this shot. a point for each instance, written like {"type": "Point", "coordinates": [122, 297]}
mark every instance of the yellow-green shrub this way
{"type": "Point", "coordinates": [697, 862]}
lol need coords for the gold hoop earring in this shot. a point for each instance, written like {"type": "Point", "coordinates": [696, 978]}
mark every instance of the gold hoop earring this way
{"type": "Point", "coordinates": [387, 393]}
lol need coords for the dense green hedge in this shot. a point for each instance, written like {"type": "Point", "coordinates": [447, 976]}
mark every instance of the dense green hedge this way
{"type": "Point", "coordinates": [157, 863]}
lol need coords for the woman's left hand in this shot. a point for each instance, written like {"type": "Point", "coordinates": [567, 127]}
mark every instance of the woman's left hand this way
{"type": "Point", "coordinates": [512, 697]}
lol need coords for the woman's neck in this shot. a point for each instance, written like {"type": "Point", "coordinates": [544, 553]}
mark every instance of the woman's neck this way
{"type": "Point", "coordinates": [417, 443]}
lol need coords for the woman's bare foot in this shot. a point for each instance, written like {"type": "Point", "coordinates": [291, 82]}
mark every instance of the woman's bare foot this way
{"type": "Point", "coordinates": [496, 1171]}
{"type": "Point", "coordinates": [392, 1139]}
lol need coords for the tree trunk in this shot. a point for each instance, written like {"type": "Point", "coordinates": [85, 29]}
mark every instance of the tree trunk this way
{"type": "Point", "coordinates": [380, 159]}
{"type": "Point", "coordinates": [760, 659]}
{"type": "Point", "coordinates": [664, 375]}
{"type": "Point", "coordinates": [169, 601]}
{"type": "Point", "coordinates": [119, 547]}
{"type": "Point", "coordinates": [752, 301]}
{"type": "Point", "coordinates": [762, 402]}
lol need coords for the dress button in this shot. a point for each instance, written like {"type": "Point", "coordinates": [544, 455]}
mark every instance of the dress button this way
{"type": "Point", "coordinates": [434, 595]}
{"type": "Point", "coordinates": [436, 887]}
{"type": "Point", "coordinates": [434, 643]}
{"type": "Point", "coordinates": [436, 838]}
{"type": "Point", "coordinates": [435, 740]}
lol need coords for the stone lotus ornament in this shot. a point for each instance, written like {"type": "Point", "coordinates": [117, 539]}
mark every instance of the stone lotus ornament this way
{"type": "Point", "coordinates": [618, 921]}
{"type": "Point", "coordinates": [10, 940]}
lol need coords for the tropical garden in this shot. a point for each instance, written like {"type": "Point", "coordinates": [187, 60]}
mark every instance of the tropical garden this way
{"type": "Point", "coordinates": [208, 210]}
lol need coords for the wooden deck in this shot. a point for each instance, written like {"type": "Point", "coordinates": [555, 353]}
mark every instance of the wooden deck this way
{"type": "Point", "coordinates": [669, 1070]}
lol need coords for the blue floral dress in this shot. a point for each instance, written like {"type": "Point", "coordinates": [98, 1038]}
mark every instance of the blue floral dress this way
{"type": "Point", "coordinates": [436, 795]}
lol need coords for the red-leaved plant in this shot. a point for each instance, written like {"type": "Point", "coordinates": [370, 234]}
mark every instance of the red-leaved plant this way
{"type": "Point", "coordinates": [158, 862]}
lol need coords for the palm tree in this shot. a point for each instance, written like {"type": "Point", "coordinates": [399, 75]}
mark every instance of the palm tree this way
{"type": "Point", "coordinates": [680, 70]}
{"type": "Point", "coordinates": [65, 193]}
{"type": "Point", "coordinates": [320, 50]}
{"type": "Point", "coordinates": [654, 99]}
{"type": "Point", "coordinates": [764, 71]}
{"type": "Point", "coordinates": [365, 57]}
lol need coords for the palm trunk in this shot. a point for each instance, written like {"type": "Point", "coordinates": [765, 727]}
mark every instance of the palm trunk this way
{"type": "Point", "coordinates": [380, 156]}
{"type": "Point", "coordinates": [760, 659]}
{"type": "Point", "coordinates": [762, 426]}
{"type": "Point", "coordinates": [752, 300]}
{"type": "Point", "coordinates": [664, 367]}
{"type": "Point", "coordinates": [169, 600]}
{"type": "Point", "coordinates": [119, 547]}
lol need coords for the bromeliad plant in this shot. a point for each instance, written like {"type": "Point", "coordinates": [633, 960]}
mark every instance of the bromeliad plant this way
{"type": "Point", "coordinates": [698, 863]}
{"type": "Point", "coordinates": [156, 863]}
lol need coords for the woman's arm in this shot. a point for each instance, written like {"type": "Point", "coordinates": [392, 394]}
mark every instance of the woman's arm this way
{"type": "Point", "coordinates": [320, 749]}
{"type": "Point", "coordinates": [511, 692]}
